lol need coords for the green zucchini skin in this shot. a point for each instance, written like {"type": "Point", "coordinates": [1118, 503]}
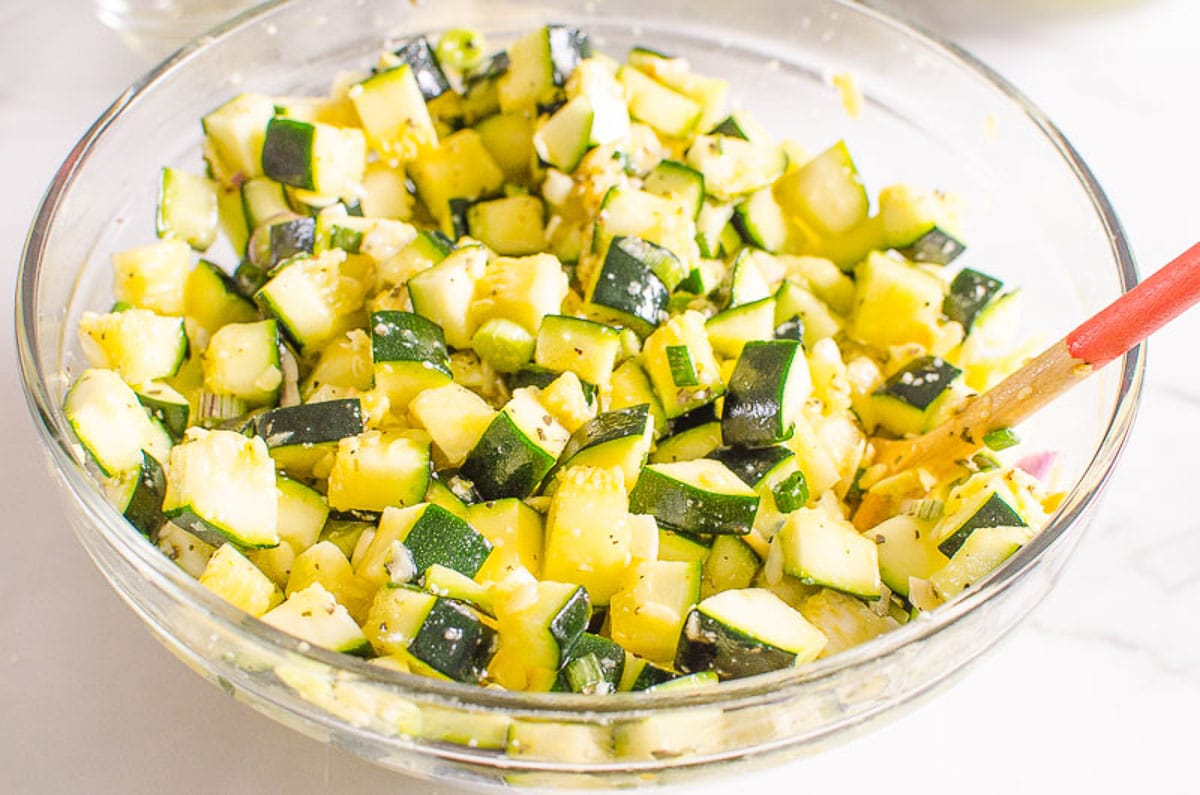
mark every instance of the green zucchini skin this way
{"type": "Point", "coordinates": [571, 620]}
{"type": "Point", "coordinates": [144, 509]}
{"type": "Point", "coordinates": [609, 655]}
{"type": "Point", "coordinates": [921, 382]}
{"type": "Point", "coordinates": [791, 329]}
{"type": "Point", "coordinates": [280, 238]}
{"type": "Point", "coordinates": [606, 427]}
{"type": "Point", "coordinates": [453, 641]}
{"type": "Point", "coordinates": [249, 278]}
{"type": "Point", "coordinates": [173, 415]}
{"type": "Point", "coordinates": [707, 644]}
{"type": "Point", "coordinates": [425, 66]}
{"type": "Point", "coordinates": [993, 513]}
{"type": "Point", "coordinates": [460, 225]}
{"type": "Point", "coordinates": [754, 414]}
{"type": "Point", "coordinates": [934, 246]}
{"type": "Point", "coordinates": [505, 463]}
{"type": "Point", "coordinates": [309, 423]}
{"type": "Point", "coordinates": [530, 375]}
{"type": "Point", "coordinates": [683, 370]}
{"type": "Point", "coordinates": [686, 508]}
{"type": "Point", "coordinates": [629, 286]}
{"type": "Point", "coordinates": [730, 128]}
{"type": "Point", "coordinates": [701, 415]}
{"type": "Point", "coordinates": [407, 337]}
{"type": "Point", "coordinates": [440, 537]}
{"type": "Point", "coordinates": [970, 292]}
{"type": "Point", "coordinates": [287, 152]}
{"type": "Point", "coordinates": [744, 632]}
{"type": "Point", "coordinates": [651, 676]}
{"type": "Point", "coordinates": [489, 69]}
{"type": "Point", "coordinates": [291, 238]}
{"type": "Point", "coordinates": [752, 464]}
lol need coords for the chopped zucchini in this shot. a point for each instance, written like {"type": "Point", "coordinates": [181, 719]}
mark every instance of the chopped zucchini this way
{"type": "Point", "coordinates": [699, 497]}
{"type": "Point", "coordinates": [588, 538]}
{"type": "Point", "coordinates": [235, 579]}
{"type": "Point", "coordinates": [111, 424]}
{"type": "Point", "coordinates": [908, 401]}
{"type": "Point", "coordinates": [187, 208]}
{"type": "Point", "coordinates": [298, 437]}
{"type": "Point", "coordinates": [377, 469]}
{"type": "Point", "coordinates": [221, 486]}
{"type": "Point", "coordinates": [744, 632]}
{"type": "Point", "coordinates": [826, 192]}
{"type": "Point", "coordinates": [318, 157]}
{"type": "Point", "coordinates": [139, 344]}
{"type": "Point", "coordinates": [439, 637]}
{"type": "Point", "coordinates": [517, 450]}
{"type": "Point", "coordinates": [539, 623]}
{"type": "Point", "coordinates": [821, 549]}
{"type": "Point", "coordinates": [314, 615]}
{"type": "Point", "coordinates": [647, 614]}
{"type": "Point", "coordinates": [769, 386]}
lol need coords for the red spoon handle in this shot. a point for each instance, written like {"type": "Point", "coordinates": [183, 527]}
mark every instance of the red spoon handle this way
{"type": "Point", "coordinates": [1140, 312]}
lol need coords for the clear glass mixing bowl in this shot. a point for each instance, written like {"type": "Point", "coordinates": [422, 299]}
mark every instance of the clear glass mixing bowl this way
{"type": "Point", "coordinates": [932, 116]}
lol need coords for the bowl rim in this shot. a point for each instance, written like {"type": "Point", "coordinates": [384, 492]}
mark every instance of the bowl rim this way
{"type": "Point", "coordinates": [182, 588]}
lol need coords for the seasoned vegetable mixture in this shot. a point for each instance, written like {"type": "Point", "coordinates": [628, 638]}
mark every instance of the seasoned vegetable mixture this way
{"type": "Point", "coordinates": [547, 372]}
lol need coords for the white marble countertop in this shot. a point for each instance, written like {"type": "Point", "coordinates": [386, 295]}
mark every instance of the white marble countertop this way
{"type": "Point", "coordinates": [1097, 690]}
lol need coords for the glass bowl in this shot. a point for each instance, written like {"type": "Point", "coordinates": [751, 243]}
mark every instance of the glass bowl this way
{"type": "Point", "coordinates": [932, 116]}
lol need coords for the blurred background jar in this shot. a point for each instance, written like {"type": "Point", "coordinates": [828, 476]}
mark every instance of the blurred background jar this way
{"type": "Point", "coordinates": [155, 28]}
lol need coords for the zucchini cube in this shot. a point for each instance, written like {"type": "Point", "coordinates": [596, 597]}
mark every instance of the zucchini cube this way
{"type": "Point", "coordinates": [826, 192]}
{"type": "Point", "coordinates": [895, 303]}
{"type": "Point", "coordinates": [700, 497]}
{"type": "Point", "coordinates": [138, 495]}
{"type": "Point", "coordinates": [112, 426]}
{"type": "Point", "coordinates": [647, 614]}
{"type": "Point", "coordinates": [986, 508]}
{"type": "Point", "coordinates": [746, 632]}
{"type": "Point", "coordinates": [139, 344]}
{"type": "Point", "coordinates": [585, 348]}
{"type": "Point", "coordinates": [242, 360]}
{"type": "Point", "coordinates": [539, 624]}
{"type": "Point", "coordinates": [409, 355]}
{"type": "Point", "coordinates": [970, 292]}
{"type": "Point", "coordinates": [596, 666]}
{"type": "Point", "coordinates": [152, 277]}
{"type": "Point", "coordinates": [238, 581]}
{"type": "Point", "coordinates": [313, 156]}
{"type": "Point", "coordinates": [221, 487]}
{"type": "Point", "coordinates": [589, 539]}
{"type": "Point", "coordinates": [187, 208]}
{"type": "Point", "coordinates": [631, 286]}
{"type": "Point", "coordinates": [300, 436]}
{"type": "Point", "coordinates": [822, 549]}
{"type": "Point", "coordinates": [378, 469]}
{"type": "Point", "coordinates": [517, 450]}
{"type": "Point", "coordinates": [619, 438]}
{"type": "Point", "coordinates": [684, 331]}
{"type": "Point", "coordinates": [439, 537]}
{"type": "Point", "coordinates": [908, 402]}
{"type": "Point", "coordinates": [767, 391]}
{"type": "Point", "coordinates": [315, 615]}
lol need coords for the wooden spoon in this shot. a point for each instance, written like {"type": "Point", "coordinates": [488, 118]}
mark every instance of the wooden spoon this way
{"type": "Point", "coordinates": [1097, 341]}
